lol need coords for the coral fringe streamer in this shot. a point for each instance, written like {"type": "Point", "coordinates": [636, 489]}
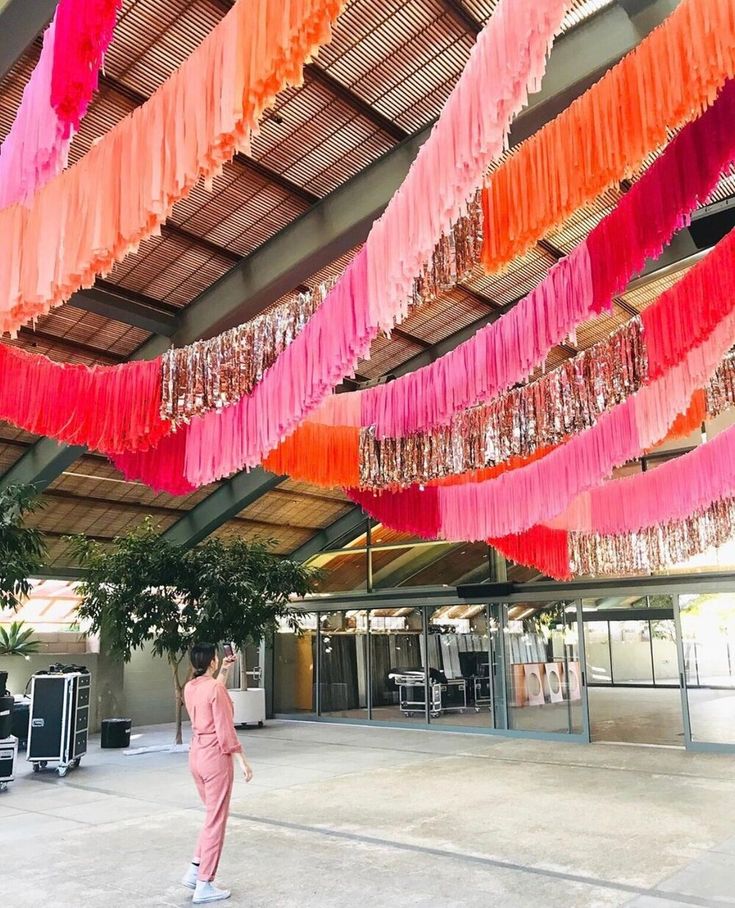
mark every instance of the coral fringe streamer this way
{"type": "Point", "coordinates": [374, 291]}
{"type": "Point", "coordinates": [607, 133]}
{"type": "Point", "coordinates": [576, 288]}
{"type": "Point", "coordinates": [105, 408]}
{"type": "Point", "coordinates": [93, 214]}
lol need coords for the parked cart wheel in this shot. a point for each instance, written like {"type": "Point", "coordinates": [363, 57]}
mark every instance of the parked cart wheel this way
{"type": "Point", "coordinates": [3, 786]}
{"type": "Point", "coordinates": [63, 771]}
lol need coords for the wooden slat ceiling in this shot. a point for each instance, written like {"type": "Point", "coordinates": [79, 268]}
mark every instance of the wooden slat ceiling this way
{"type": "Point", "coordinates": [385, 75]}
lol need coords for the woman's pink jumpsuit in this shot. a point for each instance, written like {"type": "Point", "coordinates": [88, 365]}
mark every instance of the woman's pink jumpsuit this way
{"type": "Point", "coordinates": [213, 742]}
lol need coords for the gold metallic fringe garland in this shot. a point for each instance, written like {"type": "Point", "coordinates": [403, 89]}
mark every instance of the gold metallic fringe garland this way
{"type": "Point", "coordinates": [214, 373]}
{"type": "Point", "coordinates": [655, 548]}
{"type": "Point", "coordinates": [561, 403]}
{"type": "Point", "coordinates": [454, 257]}
{"type": "Point", "coordinates": [208, 375]}
{"type": "Point", "coordinates": [721, 389]}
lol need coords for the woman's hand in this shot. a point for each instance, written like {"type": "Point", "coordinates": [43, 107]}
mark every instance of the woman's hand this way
{"type": "Point", "coordinates": [245, 766]}
{"type": "Point", "coordinates": [224, 670]}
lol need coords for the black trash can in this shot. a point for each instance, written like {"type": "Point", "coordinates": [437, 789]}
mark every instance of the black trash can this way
{"type": "Point", "coordinates": [116, 732]}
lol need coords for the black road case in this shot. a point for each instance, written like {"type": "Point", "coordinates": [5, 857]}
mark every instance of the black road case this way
{"type": "Point", "coordinates": [8, 753]}
{"type": "Point", "coordinates": [59, 721]}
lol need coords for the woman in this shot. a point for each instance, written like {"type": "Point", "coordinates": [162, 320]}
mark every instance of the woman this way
{"type": "Point", "coordinates": [213, 747]}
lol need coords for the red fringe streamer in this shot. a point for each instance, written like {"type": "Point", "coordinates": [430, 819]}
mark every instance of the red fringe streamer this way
{"type": "Point", "coordinates": [105, 408]}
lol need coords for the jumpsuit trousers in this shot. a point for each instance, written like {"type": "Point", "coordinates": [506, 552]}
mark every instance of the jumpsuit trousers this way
{"type": "Point", "coordinates": [214, 741]}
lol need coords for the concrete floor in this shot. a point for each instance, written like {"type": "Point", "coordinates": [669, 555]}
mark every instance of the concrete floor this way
{"type": "Point", "coordinates": [346, 815]}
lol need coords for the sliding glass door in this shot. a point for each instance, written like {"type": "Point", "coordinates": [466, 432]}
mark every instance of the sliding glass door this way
{"type": "Point", "coordinates": [543, 670]}
{"type": "Point", "coordinates": [706, 640]}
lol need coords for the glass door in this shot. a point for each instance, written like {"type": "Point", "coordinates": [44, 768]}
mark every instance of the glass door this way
{"type": "Point", "coordinates": [543, 675]}
{"type": "Point", "coordinates": [706, 640]}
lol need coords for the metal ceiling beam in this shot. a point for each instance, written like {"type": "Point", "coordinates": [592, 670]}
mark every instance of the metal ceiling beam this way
{"type": "Point", "coordinates": [383, 123]}
{"type": "Point", "coordinates": [349, 526]}
{"type": "Point", "coordinates": [20, 23]}
{"type": "Point", "coordinates": [119, 306]}
{"type": "Point", "coordinates": [461, 14]}
{"type": "Point", "coordinates": [342, 220]}
{"type": "Point", "coordinates": [224, 503]}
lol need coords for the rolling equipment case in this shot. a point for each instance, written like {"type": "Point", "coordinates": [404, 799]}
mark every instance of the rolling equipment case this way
{"type": "Point", "coordinates": [8, 753]}
{"type": "Point", "coordinates": [59, 721]}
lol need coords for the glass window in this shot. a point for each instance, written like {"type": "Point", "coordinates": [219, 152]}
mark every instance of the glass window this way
{"type": "Point", "coordinates": [343, 665]}
{"type": "Point", "coordinates": [708, 639]}
{"type": "Point", "coordinates": [599, 657]}
{"type": "Point", "coordinates": [397, 665]}
{"type": "Point", "coordinates": [294, 678]}
{"type": "Point", "coordinates": [542, 668]}
{"type": "Point", "coordinates": [460, 660]}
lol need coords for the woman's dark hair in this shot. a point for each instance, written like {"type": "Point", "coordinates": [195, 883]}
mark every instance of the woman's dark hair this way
{"type": "Point", "coordinates": [201, 656]}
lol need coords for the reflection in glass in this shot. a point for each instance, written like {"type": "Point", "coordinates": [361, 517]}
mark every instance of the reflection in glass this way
{"type": "Point", "coordinates": [397, 665]}
{"type": "Point", "coordinates": [543, 672]}
{"type": "Point", "coordinates": [343, 665]}
{"type": "Point", "coordinates": [293, 677]}
{"type": "Point", "coordinates": [708, 639]}
{"type": "Point", "coordinates": [460, 659]}
{"type": "Point", "coordinates": [599, 654]}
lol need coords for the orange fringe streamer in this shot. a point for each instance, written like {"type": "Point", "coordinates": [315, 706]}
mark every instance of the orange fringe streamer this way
{"type": "Point", "coordinates": [328, 456]}
{"type": "Point", "coordinates": [321, 455]}
{"type": "Point", "coordinates": [93, 214]}
{"type": "Point", "coordinates": [603, 136]}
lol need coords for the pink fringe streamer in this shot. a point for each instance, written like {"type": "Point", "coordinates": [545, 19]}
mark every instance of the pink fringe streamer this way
{"type": "Point", "coordinates": [56, 97]}
{"type": "Point", "coordinates": [508, 59]}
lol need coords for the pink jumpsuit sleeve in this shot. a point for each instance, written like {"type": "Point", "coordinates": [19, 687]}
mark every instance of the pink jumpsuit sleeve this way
{"type": "Point", "coordinates": [223, 724]}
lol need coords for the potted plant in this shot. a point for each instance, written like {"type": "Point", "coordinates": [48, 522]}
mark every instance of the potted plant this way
{"type": "Point", "coordinates": [18, 640]}
{"type": "Point", "coordinates": [147, 591]}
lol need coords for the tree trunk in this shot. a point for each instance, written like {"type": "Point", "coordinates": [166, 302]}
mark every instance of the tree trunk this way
{"type": "Point", "coordinates": [243, 670]}
{"type": "Point", "coordinates": [179, 695]}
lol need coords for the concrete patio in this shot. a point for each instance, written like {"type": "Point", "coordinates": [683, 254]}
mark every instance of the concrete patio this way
{"type": "Point", "coordinates": [339, 816]}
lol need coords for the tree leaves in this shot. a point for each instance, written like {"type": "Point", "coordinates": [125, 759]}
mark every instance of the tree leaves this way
{"type": "Point", "coordinates": [22, 548]}
{"type": "Point", "coordinates": [17, 641]}
{"type": "Point", "coordinates": [147, 590]}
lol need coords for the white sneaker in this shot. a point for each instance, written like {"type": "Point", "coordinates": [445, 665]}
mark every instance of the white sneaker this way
{"type": "Point", "coordinates": [189, 879]}
{"type": "Point", "coordinates": [207, 892]}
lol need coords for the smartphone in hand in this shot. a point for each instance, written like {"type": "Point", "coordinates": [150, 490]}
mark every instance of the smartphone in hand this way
{"type": "Point", "coordinates": [229, 650]}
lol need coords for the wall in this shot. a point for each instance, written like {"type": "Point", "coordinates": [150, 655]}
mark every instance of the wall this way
{"type": "Point", "coordinates": [148, 689]}
{"type": "Point", "coordinates": [20, 670]}
{"type": "Point", "coordinates": [142, 690]}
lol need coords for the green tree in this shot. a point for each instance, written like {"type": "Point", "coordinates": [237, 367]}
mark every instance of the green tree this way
{"type": "Point", "coordinates": [145, 590]}
{"type": "Point", "coordinates": [22, 548]}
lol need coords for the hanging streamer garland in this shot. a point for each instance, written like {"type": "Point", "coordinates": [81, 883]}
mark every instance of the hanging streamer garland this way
{"type": "Point", "coordinates": [630, 517]}
{"type": "Point", "coordinates": [577, 288]}
{"type": "Point", "coordinates": [562, 403]}
{"type": "Point", "coordinates": [84, 30]}
{"type": "Point", "coordinates": [654, 548]}
{"type": "Point", "coordinates": [115, 409]}
{"type": "Point", "coordinates": [535, 493]}
{"type": "Point", "coordinates": [104, 408]}
{"type": "Point", "coordinates": [603, 136]}
{"type": "Point", "coordinates": [376, 289]}
{"type": "Point", "coordinates": [207, 375]}
{"type": "Point", "coordinates": [56, 97]}
{"type": "Point", "coordinates": [86, 219]}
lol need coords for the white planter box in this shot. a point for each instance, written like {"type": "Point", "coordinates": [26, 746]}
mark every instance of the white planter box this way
{"type": "Point", "coordinates": [249, 705]}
